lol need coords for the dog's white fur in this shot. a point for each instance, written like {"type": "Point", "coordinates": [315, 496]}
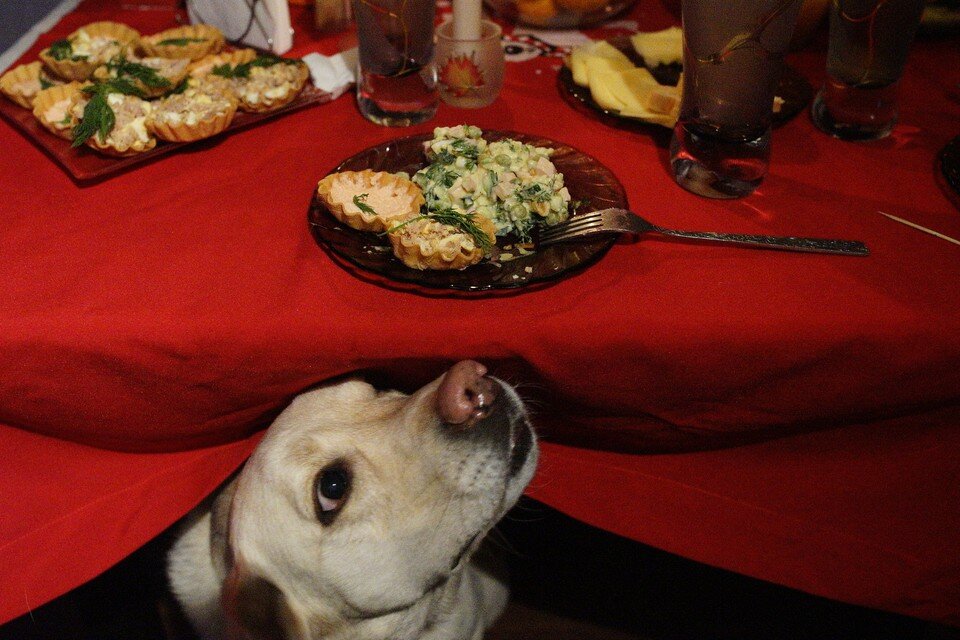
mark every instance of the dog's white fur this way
{"type": "Point", "coordinates": [397, 561]}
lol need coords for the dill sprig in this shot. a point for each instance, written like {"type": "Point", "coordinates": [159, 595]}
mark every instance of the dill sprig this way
{"type": "Point", "coordinates": [98, 116]}
{"type": "Point", "coordinates": [463, 221]}
{"type": "Point", "coordinates": [123, 69]}
{"type": "Point", "coordinates": [63, 50]}
{"type": "Point", "coordinates": [180, 42]}
{"type": "Point", "coordinates": [361, 201]}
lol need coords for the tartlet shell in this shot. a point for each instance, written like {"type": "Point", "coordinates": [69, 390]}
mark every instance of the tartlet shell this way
{"type": "Point", "coordinates": [213, 42]}
{"type": "Point", "coordinates": [21, 73]}
{"type": "Point", "coordinates": [111, 149]}
{"type": "Point", "coordinates": [47, 98]}
{"type": "Point", "coordinates": [412, 255]}
{"type": "Point", "coordinates": [121, 152]}
{"type": "Point", "coordinates": [122, 33]}
{"type": "Point", "coordinates": [83, 69]}
{"type": "Point", "coordinates": [367, 181]}
{"type": "Point", "coordinates": [183, 132]}
{"type": "Point", "coordinates": [68, 69]}
{"type": "Point", "coordinates": [271, 105]}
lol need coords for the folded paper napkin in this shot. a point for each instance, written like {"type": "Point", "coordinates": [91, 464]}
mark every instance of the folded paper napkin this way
{"type": "Point", "coordinates": [333, 74]}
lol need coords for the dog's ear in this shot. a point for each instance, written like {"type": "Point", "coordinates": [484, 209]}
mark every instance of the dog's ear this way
{"type": "Point", "coordinates": [257, 609]}
{"type": "Point", "coordinates": [220, 551]}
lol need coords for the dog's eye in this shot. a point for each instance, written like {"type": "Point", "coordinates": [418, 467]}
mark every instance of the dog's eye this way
{"type": "Point", "coordinates": [332, 487]}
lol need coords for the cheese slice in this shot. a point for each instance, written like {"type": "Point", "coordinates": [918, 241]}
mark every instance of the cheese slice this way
{"type": "Point", "coordinates": [659, 47]}
{"type": "Point", "coordinates": [631, 86]}
{"type": "Point", "coordinates": [595, 50]}
{"type": "Point", "coordinates": [664, 99]}
{"type": "Point", "coordinates": [601, 82]}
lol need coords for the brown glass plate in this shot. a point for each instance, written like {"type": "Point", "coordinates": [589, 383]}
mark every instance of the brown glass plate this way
{"type": "Point", "coordinates": [85, 164]}
{"type": "Point", "coordinates": [588, 181]}
{"type": "Point", "coordinates": [794, 89]}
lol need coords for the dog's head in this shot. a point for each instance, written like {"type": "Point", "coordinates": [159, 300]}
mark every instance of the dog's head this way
{"type": "Point", "coordinates": [359, 507]}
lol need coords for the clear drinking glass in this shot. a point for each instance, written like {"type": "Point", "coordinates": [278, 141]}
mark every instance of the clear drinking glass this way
{"type": "Point", "coordinates": [470, 72]}
{"type": "Point", "coordinates": [397, 84]}
{"type": "Point", "coordinates": [732, 62]}
{"type": "Point", "coordinates": [869, 41]}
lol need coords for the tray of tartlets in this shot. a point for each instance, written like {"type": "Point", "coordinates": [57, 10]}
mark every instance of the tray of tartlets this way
{"type": "Point", "coordinates": [460, 209]}
{"type": "Point", "coordinates": [106, 98]}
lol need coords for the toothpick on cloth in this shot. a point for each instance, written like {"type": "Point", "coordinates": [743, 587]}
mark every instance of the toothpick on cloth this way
{"type": "Point", "coordinates": [919, 228]}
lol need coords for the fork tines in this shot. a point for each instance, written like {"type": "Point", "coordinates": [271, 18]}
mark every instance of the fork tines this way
{"type": "Point", "coordinates": [572, 228]}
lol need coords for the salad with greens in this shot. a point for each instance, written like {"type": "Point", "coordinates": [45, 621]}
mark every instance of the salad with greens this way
{"type": "Point", "coordinates": [513, 184]}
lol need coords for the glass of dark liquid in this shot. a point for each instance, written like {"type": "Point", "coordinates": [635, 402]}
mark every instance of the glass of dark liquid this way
{"type": "Point", "coordinates": [869, 42]}
{"type": "Point", "coordinates": [732, 62]}
{"type": "Point", "coordinates": [397, 83]}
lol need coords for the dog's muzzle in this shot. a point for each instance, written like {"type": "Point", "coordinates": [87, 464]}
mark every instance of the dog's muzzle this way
{"type": "Point", "coordinates": [477, 406]}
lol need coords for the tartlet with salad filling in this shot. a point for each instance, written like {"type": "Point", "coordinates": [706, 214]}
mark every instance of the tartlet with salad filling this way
{"type": "Point", "coordinates": [22, 83]}
{"type": "Point", "coordinates": [150, 77]}
{"type": "Point", "coordinates": [54, 108]}
{"type": "Point", "coordinates": [193, 114]}
{"type": "Point", "coordinates": [78, 55]}
{"type": "Point", "coordinates": [265, 83]}
{"type": "Point", "coordinates": [370, 200]}
{"type": "Point", "coordinates": [113, 122]}
{"type": "Point", "coordinates": [190, 42]}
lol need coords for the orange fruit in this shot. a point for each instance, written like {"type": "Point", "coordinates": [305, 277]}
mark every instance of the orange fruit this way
{"type": "Point", "coordinates": [536, 11]}
{"type": "Point", "coordinates": [582, 6]}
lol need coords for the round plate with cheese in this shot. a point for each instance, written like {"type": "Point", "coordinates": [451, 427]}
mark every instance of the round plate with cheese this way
{"type": "Point", "coordinates": [636, 79]}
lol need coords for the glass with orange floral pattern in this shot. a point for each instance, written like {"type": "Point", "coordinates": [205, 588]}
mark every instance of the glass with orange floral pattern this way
{"type": "Point", "coordinates": [470, 72]}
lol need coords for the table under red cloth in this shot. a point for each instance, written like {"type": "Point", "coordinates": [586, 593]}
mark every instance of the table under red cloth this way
{"type": "Point", "coordinates": [171, 311]}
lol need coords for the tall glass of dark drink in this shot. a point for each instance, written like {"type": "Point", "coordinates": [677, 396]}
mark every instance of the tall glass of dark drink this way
{"type": "Point", "coordinates": [869, 41]}
{"type": "Point", "coordinates": [397, 83]}
{"type": "Point", "coordinates": [732, 62]}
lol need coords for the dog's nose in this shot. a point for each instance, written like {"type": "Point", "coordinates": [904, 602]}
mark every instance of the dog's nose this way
{"type": "Point", "coordinates": [466, 394]}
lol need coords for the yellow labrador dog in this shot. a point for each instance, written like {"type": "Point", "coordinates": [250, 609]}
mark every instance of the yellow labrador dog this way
{"type": "Point", "coordinates": [358, 514]}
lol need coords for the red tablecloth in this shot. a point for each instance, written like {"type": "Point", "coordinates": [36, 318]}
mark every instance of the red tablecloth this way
{"type": "Point", "coordinates": [172, 310]}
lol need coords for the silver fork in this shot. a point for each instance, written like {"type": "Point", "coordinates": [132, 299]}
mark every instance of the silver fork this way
{"type": "Point", "coordinates": [608, 221]}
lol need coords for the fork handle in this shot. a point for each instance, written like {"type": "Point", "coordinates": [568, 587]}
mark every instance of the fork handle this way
{"type": "Point", "coordinates": [809, 245]}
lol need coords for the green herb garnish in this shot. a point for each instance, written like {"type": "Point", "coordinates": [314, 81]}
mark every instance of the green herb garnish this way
{"type": "Point", "coordinates": [465, 148]}
{"type": "Point", "coordinates": [242, 70]}
{"type": "Point", "coordinates": [361, 202]}
{"type": "Point", "coordinates": [63, 50]}
{"type": "Point", "coordinates": [445, 157]}
{"type": "Point", "coordinates": [180, 42]}
{"type": "Point", "coordinates": [123, 68]}
{"type": "Point", "coordinates": [98, 116]}
{"type": "Point", "coordinates": [450, 217]}
{"type": "Point", "coordinates": [223, 70]}
{"type": "Point", "coordinates": [440, 174]}
{"type": "Point", "coordinates": [45, 84]}
{"type": "Point", "coordinates": [534, 193]}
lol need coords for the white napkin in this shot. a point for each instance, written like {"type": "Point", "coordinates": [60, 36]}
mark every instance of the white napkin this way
{"type": "Point", "coordinates": [333, 74]}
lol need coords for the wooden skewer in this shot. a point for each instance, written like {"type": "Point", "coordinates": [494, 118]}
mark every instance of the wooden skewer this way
{"type": "Point", "coordinates": [919, 228]}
